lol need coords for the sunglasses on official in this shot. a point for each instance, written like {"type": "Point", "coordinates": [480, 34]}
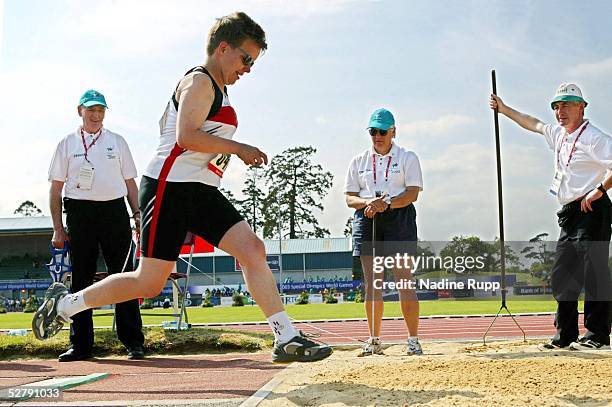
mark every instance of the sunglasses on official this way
{"type": "Point", "coordinates": [247, 60]}
{"type": "Point", "coordinates": [374, 131]}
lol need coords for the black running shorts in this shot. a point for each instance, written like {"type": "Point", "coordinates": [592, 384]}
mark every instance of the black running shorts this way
{"type": "Point", "coordinates": [170, 210]}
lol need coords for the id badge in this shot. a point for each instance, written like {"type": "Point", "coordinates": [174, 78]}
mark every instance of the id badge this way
{"type": "Point", "coordinates": [556, 183]}
{"type": "Point", "coordinates": [219, 164]}
{"type": "Point", "coordinates": [85, 178]}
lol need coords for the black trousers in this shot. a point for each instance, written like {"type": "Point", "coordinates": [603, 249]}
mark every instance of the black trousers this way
{"type": "Point", "coordinates": [581, 261]}
{"type": "Point", "coordinates": [95, 225]}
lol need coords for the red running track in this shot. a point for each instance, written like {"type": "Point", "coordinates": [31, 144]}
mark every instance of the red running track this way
{"type": "Point", "coordinates": [434, 328]}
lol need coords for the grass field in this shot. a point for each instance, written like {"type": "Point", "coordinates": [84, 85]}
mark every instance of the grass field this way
{"type": "Point", "coordinates": [19, 320]}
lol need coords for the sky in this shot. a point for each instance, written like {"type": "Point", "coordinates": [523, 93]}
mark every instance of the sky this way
{"type": "Point", "coordinates": [330, 63]}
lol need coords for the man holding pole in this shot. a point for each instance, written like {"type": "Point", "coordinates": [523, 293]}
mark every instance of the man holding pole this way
{"type": "Point", "coordinates": [583, 160]}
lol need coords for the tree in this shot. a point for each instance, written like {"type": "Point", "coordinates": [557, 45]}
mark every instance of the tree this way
{"type": "Point", "coordinates": [251, 206]}
{"type": "Point", "coordinates": [230, 197]}
{"type": "Point", "coordinates": [296, 188]}
{"type": "Point", "coordinates": [541, 256]}
{"type": "Point", "coordinates": [512, 259]}
{"type": "Point", "coordinates": [537, 251]}
{"type": "Point", "coordinates": [462, 247]}
{"type": "Point", "coordinates": [27, 208]}
{"type": "Point", "coordinates": [348, 228]}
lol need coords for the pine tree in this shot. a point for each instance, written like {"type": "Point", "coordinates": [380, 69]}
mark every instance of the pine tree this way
{"type": "Point", "coordinates": [27, 208]}
{"type": "Point", "coordinates": [297, 187]}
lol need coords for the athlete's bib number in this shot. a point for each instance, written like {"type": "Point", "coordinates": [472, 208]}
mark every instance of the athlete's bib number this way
{"type": "Point", "coordinates": [219, 164]}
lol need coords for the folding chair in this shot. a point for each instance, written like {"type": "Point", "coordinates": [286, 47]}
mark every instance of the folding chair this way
{"type": "Point", "coordinates": [180, 310]}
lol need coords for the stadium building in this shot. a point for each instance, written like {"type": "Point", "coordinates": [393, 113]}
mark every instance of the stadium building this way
{"type": "Point", "coordinates": [24, 251]}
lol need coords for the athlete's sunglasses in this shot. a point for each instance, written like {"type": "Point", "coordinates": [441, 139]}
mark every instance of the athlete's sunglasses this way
{"type": "Point", "coordinates": [373, 131]}
{"type": "Point", "coordinates": [247, 60]}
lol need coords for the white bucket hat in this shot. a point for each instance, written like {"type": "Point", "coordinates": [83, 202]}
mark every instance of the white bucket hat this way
{"type": "Point", "coordinates": [568, 92]}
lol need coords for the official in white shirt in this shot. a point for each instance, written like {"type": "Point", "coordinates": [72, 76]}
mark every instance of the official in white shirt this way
{"type": "Point", "coordinates": [383, 182]}
{"type": "Point", "coordinates": [94, 168]}
{"type": "Point", "coordinates": [582, 162]}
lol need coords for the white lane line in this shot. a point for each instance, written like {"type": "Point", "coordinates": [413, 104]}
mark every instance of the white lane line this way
{"type": "Point", "coordinates": [266, 389]}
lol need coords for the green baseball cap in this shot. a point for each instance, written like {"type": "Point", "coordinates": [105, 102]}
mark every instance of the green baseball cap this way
{"type": "Point", "coordinates": [568, 92]}
{"type": "Point", "coordinates": [381, 119]}
{"type": "Point", "coordinates": [92, 98]}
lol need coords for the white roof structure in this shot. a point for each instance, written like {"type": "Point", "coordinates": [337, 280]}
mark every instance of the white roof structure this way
{"type": "Point", "coordinates": [298, 246]}
{"type": "Point", "coordinates": [26, 225]}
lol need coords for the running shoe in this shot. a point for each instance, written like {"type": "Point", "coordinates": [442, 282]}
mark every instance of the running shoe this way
{"type": "Point", "coordinates": [414, 347]}
{"type": "Point", "coordinates": [47, 322]}
{"type": "Point", "coordinates": [552, 345]}
{"type": "Point", "coordinates": [372, 347]}
{"type": "Point", "coordinates": [299, 349]}
{"type": "Point", "coordinates": [586, 344]}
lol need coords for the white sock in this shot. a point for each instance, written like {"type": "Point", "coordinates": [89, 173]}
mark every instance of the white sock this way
{"type": "Point", "coordinates": [281, 326]}
{"type": "Point", "coordinates": [373, 338]}
{"type": "Point", "coordinates": [413, 338]}
{"type": "Point", "coordinates": [71, 304]}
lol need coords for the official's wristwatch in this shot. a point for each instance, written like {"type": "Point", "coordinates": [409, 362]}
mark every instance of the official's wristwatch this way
{"type": "Point", "coordinates": [601, 188]}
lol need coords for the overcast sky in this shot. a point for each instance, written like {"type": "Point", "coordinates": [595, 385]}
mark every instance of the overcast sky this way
{"type": "Point", "coordinates": [329, 65]}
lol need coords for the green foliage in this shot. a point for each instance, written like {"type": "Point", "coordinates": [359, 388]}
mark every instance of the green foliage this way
{"type": "Point", "coordinates": [297, 187]}
{"type": "Point", "coordinates": [348, 227]}
{"type": "Point", "coordinates": [359, 296]}
{"type": "Point", "coordinates": [251, 207]}
{"type": "Point", "coordinates": [424, 251]}
{"type": "Point", "coordinates": [542, 257]}
{"type": "Point", "coordinates": [238, 299]}
{"type": "Point", "coordinates": [31, 305]}
{"type": "Point", "coordinates": [303, 298]}
{"type": "Point", "coordinates": [329, 297]}
{"type": "Point", "coordinates": [147, 304]}
{"type": "Point", "coordinates": [461, 247]}
{"type": "Point", "coordinates": [27, 208]}
{"type": "Point", "coordinates": [157, 341]}
{"type": "Point", "coordinates": [207, 300]}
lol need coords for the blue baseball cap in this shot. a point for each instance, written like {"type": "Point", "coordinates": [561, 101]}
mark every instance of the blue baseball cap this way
{"type": "Point", "coordinates": [92, 98]}
{"type": "Point", "coordinates": [381, 119]}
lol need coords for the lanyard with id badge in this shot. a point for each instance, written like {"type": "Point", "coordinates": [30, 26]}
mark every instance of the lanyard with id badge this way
{"type": "Point", "coordinates": [384, 193]}
{"type": "Point", "coordinates": [87, 170]}
{"type": "Point", "coordinates": [560, 171]}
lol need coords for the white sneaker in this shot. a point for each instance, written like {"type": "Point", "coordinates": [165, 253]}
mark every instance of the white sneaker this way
{"type": "Point", "coordinates": [371, 347]}
{"type": "Point", "coordinates": [414, 347]}
{"type": "Point", "coordinates": [587, 344]}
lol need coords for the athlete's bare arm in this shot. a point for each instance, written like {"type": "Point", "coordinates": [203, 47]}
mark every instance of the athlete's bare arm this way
{"type": "Point", "coordinates": [524, 120]}
{"type": "Point", "coordinates": [196, 95]}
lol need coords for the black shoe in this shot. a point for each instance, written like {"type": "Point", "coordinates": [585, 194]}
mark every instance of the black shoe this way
{"type": "Point", "coordinates": [552, 345]}
{"type": "Point", "coordinates": [72, 356]}
{"type": "Point", "coordinates": [299, 349]}
{"type": "Point", "coordinates": [135, 352]}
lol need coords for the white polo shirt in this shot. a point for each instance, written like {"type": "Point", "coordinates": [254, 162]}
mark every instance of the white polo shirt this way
{"type": "Point", "coordinates": [591, 158]}
{"type": "Point", "coordinates": [370, 172]}
{"type": "Point", "coordinates": [109, 155]}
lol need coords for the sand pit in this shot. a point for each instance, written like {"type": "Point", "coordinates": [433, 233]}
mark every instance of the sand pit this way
{"type": "Point", "coordinates": [501, 373]}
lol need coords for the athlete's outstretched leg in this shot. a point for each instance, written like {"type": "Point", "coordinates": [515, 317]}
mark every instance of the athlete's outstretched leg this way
{"type": "Point", "coordinates": [290, 345]}
{"type": "Point", "coordinates": [57, 308]}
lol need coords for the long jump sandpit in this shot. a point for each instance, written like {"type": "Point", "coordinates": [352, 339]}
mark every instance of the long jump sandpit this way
{"type": "Point", "coordinates": [510, 373]}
